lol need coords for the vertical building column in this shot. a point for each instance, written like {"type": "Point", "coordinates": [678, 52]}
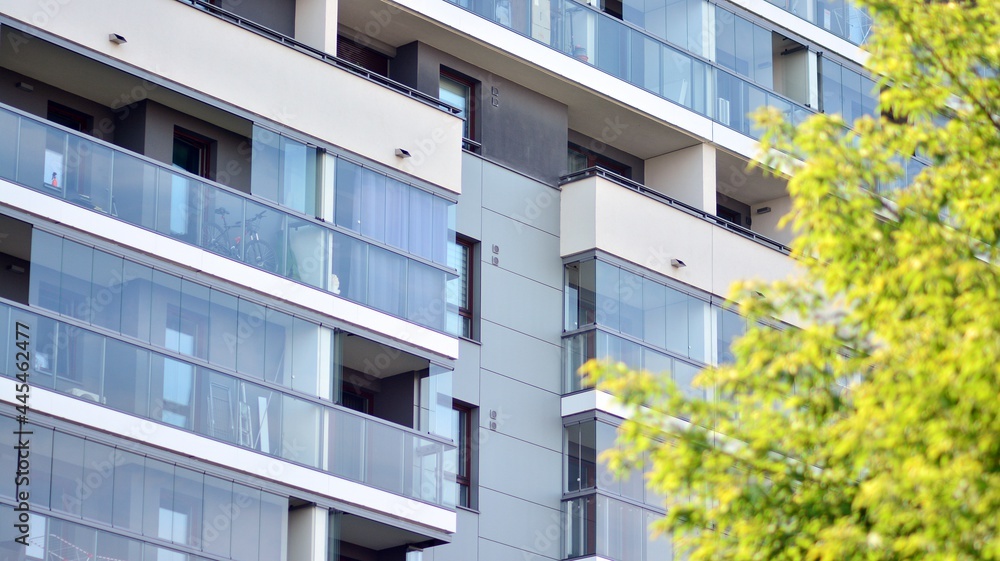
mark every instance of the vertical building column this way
{"type": "Point", "coordinates": [813, 80]}
{"type": "Point", "coordinates": [687, 175]}
{"type": "Point", "coordinates": [316, 24]}
{"type": "Point", "coordinates": [307, 533]}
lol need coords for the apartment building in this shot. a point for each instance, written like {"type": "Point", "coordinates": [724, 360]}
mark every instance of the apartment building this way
{"type": "Point", "coordinates": [310, 279]}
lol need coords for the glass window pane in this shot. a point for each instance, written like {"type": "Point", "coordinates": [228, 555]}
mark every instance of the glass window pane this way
{"type": "Point", "coordinates": [46, 265]}
{"type": "Point", "coordinates": [630, 296]}
{"type": "Point", "coordinates": [77, 268]}
{"type": "Point", "coordinates": [684, 375]}
{"type": "Point", "coordinates": [137, 300]}
{"type": "Point", "coordinates": [265, 164]}
{"type": "Point", "coordinates": [699, 329]}
{"type": "Point", "coordinates": [397, 203]}
{"type": "Point", "coordinates": [305, 257]}
{"type": "Point", "coordinates": [298, 176]}
{"type": "Point", "coordinates": [88, 174]}
{"type": "Point", "coordinates": [8, 454]}
{"type": "Point", "coordinates": [112, 547]}
{"type": "Point", "coordinates": [223, 334]}
{"type": "Point", "coordinates": [218, 403]}
{"type": "Point", "coordinates": [41, 467]}
{"type": "Point", "coordinates": [606, 436]}
{"type": "Point", "coordinates": [246, 526]}
{"type": "Point", "coordinates": [259, 423]}
{"type": "Point", "coordinates": [386, 277]}
{"type": "Point", "coordinates": [731, 326]}
{"type": "Point", "coordinates": [194, 320]}
{"type": "Point", "coordinates": [126, 378]}
{"type": "Point", "coordinates": [830, 85]}
{"type": "Point", "coordinates": [250, 339]}
{"type": "Point", "coordinates": [425, 295]}
{"type": "Point", "coordinates": [186, 509]}
{"type": "Point", "coordinates": [373, 205]}
{"type": "Point", "coordinates": [264, 237]}
{"type": "Point", "coordinates": [8, 155]}
{"type": "Point", "coordinates": [127, 509]}
{"type": "Point", "coordinates": [106, 293]}
{"type": "Point", "coordinates": [677, 330]}
{"type": "Point", "coordinates": [581, 451]}
{"type": "Point", "coordinates": [273, 521]}
{"type": "Point", "coordinates": [763, 67]}
{"type": "Point", "coordinates": [745, 42]}
{"type": "Point", "coordinates": [165, 328]}
{"type": "Point", "coordinates": [277, 355]}
{"type": "Point", "coordinates": [67, 472]}
{"type": "Point", "coordinates": [421, 223]}
{"type": "Point", "coordinates": [158, 503]}
{"type": "Point", "coordinates": [581, 294]}
{"type": "Point", "coordinates": [725, 38]}
{"type": "Point", "coordinates": [348, 199]}
{"type": "Point", "coordinates": [852, 95]}
{"type": "Point", "coordinates": [607, 295]}
{"type": "Point", "coordinates": [134, 189]}
{"type": "Point", "coordinates": [218, 509]}
{"type": "Point", "coordinates": [80, 364]}
{"type": "Point", "coordinates": [654, 313]}
{"type": "Point", "coordinates": [350, 268]}
{"type": "Point", "coordinates": [305, 357]}
{"type": "Point", "coordinates": [172, 384]}
{"type": "Point", "coordinates": [97, 481]}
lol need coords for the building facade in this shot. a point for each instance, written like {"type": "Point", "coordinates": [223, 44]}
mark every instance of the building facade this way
{"type": "Point", "coordinates": [310, 279]}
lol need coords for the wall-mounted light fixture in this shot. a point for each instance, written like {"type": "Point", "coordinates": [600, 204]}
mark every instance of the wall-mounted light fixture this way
{"type": "Point", "coordinates": [117, 39]}
{"type": "Point", "coordinates": [677, 263]}
{"type": "Point", "coordinates": [24, 86]}
{"type": "Point", "coordinates": [15, 269]}
{"type": "Point", "coordinates": [764, 210]}
{"type": "Point", "coordinates": [401, 153]}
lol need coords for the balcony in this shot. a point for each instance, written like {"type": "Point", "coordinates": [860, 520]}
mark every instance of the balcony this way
{"type": "Point", "coordinates": [170, 388]}
{"type": "Point", "coordinates": [250, 230]}
{"type": "Point", "coordinates": [596, 204]}
{"type": "Point", "coordinates": [639, 58]}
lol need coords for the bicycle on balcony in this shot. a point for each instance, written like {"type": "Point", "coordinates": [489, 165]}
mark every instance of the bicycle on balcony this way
{"type": "Point", "coordinates": [249, 248]}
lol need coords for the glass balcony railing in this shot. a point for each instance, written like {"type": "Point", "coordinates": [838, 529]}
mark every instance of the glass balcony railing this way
{"type": "Point", "coordinates": [840, 17]}
{"type": "Point", "coordinates": [612, 529]}
{"type": "Point", "coordinates": [638, 58]}
{"type": "Point", "coordinates": [132, 188]}
{"type": "Point", "coordinates": [87, 365]}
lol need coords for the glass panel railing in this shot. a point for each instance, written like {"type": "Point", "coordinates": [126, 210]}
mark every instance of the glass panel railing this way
{"type": "Point", "coordinates": [612, 529]}
{"type": "Point", "coordinates": [165, 388]}
{"type": "Point", "coordinates": [111, 181]}
{"type": "Point", "coordinates": [638, 58]}
{"type": "Point", "coordinates": [840, 17]}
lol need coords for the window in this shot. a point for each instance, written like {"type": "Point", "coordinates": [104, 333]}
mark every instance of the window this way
{"type": "Point", "coordinates": [462, 431]}
{"type": "Point", "coordinates": [460, 295]}
{"type": "Point", "coordinates": [191, 152]}
{"type": "Point", "coordinates": [580, 158]}
{"type": "Point", "coordinates": [458, 91]}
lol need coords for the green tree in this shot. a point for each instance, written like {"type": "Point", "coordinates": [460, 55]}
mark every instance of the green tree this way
{"type": "Point", "coordinates": [871, 431]}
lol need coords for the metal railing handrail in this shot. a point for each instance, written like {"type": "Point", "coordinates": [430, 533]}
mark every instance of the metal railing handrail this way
{"type": "Point", "coordinates": [598, 171]}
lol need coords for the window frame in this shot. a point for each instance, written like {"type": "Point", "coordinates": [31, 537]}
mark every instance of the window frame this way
{"type": "Point", "coordinates": [465, 309]}
{"type": "Point", "coordinates": [470, 131]}
{"type": "Point", "coordinates": [463, 443]}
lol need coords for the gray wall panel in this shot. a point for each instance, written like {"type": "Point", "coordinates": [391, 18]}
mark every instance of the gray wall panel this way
{"type": "Point", "coordinates": [465, 383]}
{"type": "Point", "coordinates": [526, 412]}
{"type": "Point", "coordinates": [469, 219]}
{"type": "Point", "coordinates": [521, 357]}
{"type": "Point", "coordinates": [465, 544]}
{"type": "Point", "coordinates": [522, 304]}
{"type": "Point", "coordinates": [529, 202]}
{"type": "Point", "coordinates": [532, 528]}
{"type": "Point", "coordinates": [529, 252]}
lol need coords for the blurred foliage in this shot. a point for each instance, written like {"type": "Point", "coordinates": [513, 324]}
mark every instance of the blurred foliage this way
{"type": "Point", "coordinates": [871, 431]}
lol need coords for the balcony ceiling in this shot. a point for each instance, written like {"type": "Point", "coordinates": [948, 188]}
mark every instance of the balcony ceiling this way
{"type": "Point", "coordinates": [733, 179]}
{"type": "Point", "coordinates": [46, 62]}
